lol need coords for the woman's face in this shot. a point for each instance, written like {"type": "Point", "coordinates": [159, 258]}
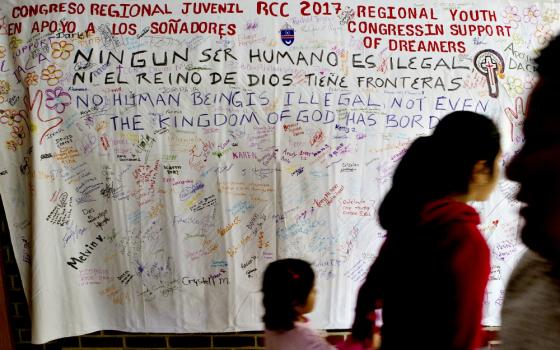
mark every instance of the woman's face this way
{"type": "Point", "coordinates": [484, 180]}
{"type": "Point", "coordinates": [538, 172]}
{"type": "Point", "coordinates": [492, 180]}
{"type": "Point", "coordinates": [537, 169]}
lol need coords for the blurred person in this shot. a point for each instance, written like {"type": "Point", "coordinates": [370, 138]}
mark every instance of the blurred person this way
{"type": "Point", "coordinates": [531, 309]}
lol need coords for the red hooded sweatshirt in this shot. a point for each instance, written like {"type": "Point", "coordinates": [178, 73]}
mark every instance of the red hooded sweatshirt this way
{"type": "Point", "coordinates": [433, 281]}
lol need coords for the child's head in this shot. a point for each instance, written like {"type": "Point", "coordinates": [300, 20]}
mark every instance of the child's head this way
{"type": "Point", "coordinates": [288, 292]}
{"type": "Point", "coordinates": [459, 158]}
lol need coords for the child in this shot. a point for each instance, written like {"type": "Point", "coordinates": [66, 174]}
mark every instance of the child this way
{"type": "Point", "coordinates": [289, 293]}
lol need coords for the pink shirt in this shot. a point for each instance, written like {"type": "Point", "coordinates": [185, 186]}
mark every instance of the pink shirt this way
{"type": "Point", "coordinates": [301, 337]}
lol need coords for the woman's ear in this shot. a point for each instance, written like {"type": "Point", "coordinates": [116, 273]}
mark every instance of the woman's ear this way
{"type": "Point", "coordinates": [481, 173]}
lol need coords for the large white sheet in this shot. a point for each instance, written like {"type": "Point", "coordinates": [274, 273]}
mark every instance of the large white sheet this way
{"type": "Point", "coordinates": [154, 159]}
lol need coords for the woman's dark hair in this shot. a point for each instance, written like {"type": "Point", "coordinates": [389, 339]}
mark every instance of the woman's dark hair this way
{"type": "Point", "coordinates": [286, 284]}
{"type": "Point", "coordinates": [439, 165]}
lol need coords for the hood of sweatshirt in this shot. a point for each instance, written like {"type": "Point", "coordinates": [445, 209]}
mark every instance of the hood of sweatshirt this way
{"type": "Point", "coordinates": [445, 211]}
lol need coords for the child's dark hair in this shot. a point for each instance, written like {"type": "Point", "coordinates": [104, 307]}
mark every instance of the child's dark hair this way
{"type": "Point", "coordinates": [437, 166]}
{"type": "Point", "coordinates": [286, 284]}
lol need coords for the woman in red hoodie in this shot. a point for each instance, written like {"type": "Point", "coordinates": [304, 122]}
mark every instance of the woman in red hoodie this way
{"type": "Point", "coordinates": [431, 272]}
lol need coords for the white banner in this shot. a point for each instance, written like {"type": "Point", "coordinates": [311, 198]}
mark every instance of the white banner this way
{"type": "Point", "coordinates": [155, 156]}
